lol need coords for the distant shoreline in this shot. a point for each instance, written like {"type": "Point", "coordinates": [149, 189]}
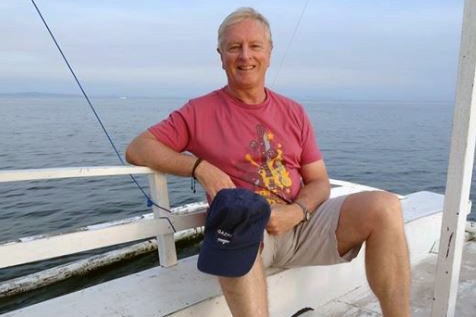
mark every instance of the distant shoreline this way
{"type": "Point", "coordinates": [65, 95]}
{"type": "Point", "coordinates": [37, 94]}
{"type": "Point", "coordinates": [298, 98]}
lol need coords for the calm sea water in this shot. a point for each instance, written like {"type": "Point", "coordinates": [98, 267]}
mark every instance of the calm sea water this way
{"type": "Point", "coordinates": [398, 146]}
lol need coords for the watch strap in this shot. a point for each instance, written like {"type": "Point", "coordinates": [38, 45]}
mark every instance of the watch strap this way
{"type": "Point", "coordinates": [305, 211]}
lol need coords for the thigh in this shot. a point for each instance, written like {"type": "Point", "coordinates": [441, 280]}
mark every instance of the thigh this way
{"type": "Point", "coordinates": [313, 242]}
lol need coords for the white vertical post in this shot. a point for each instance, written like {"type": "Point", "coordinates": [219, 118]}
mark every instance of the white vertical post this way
{"type": "Point", "coordinates": [456, 206]}
{"type": "Point", "coordinates": [165, 242]}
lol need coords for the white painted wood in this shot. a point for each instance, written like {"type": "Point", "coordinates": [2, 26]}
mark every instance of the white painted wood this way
{"type": "Point", "coordinates": [360, 187]}
{"type": "Point", "coordinates": [41, 247]}
{"type": "Point", "coordinates": [70, 172]}
{"type": "Point", "coordinates": [421, 204]}
{"type": "Point", "coordinates": [460, 168]}
{"type": "Point", "coordinates": [165, 240]}
{"type": "Point", "coordinates": [166, 291]}
{"type": "Point", "coordinates": [53, 246]}
{"type": "Point", "coordinates": [47, 246]}
{"type": "Point", "coordinates": [55, 274]}
{"type": "Point", "coordinates": [37, 248]}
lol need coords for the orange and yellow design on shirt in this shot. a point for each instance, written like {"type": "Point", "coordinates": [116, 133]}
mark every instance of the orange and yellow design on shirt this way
{"type": "Point", "coordinates": [273, 179]}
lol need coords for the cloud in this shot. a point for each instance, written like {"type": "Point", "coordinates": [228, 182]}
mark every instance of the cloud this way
{"type": "Point", "coordinates": [117, 45]}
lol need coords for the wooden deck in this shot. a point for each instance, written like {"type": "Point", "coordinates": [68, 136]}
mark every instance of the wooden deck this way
{"type": "Point", "coordinates": [361, 302]}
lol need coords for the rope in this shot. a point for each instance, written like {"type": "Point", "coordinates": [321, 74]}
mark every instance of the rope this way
{"type": "Point", "coordinates": [290, 43]}
{"type": "Point", "coordinates": [150, 202]}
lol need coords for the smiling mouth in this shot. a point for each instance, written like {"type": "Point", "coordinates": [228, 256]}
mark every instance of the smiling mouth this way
{"type": "Point", "coordinates": [246, 68]}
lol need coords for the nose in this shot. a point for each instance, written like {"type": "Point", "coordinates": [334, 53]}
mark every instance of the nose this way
{"type": "Point", "coordinates": [245, 52]}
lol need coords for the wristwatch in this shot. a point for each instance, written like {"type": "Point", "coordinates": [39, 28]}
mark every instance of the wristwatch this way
{"type": "Point", "coordinates": [307, 214]}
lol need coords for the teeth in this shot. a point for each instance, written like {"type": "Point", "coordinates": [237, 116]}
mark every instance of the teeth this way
{"type": "Point", "coordinates": [246, 67]}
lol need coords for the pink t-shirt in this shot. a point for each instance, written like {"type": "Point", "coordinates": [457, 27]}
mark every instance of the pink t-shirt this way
{"type": "Point", "coordinates": [261, 147]}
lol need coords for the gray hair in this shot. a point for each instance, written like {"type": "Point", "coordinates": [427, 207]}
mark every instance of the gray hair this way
{"type": "Point", "coordinates": [240, 15]}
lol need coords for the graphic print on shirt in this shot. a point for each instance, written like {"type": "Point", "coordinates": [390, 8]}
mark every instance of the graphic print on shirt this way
{"type": "Point", "coordinates": [271, 173]}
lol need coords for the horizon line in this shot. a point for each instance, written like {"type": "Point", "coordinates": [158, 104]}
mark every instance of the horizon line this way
{"type": "Point", "coordinates": [302, 97]}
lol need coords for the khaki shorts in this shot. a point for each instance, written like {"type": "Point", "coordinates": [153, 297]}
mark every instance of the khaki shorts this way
{"type": "Point", "coordinates": [309, 243]}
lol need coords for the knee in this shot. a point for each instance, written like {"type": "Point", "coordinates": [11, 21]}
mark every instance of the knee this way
{"type": "Point", "coordinates": [386, 209]}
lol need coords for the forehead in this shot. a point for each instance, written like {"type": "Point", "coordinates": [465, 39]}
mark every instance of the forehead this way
{"type": "Point", "coordinates": [246, 30]}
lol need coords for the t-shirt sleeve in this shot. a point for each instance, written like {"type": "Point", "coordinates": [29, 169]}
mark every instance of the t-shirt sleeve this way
{"type": "Point", "coordinates": [310, 148]}
{"type": "Point", "coordinates": [174, 131]}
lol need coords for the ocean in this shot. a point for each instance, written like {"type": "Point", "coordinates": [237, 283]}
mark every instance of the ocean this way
{"type": "Point", "coordinates": [398, 146]}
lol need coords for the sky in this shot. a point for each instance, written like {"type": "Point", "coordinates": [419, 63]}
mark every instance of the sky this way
{"type": "Point", "coordinates": [332, 50]}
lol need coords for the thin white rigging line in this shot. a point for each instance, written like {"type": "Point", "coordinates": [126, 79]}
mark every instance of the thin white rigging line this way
{"type": "Point", "coordinates": [290, 43]}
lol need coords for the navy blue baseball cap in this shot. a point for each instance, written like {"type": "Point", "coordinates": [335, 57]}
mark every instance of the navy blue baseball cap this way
{"type": "Point", "coordinates": [234, 230]}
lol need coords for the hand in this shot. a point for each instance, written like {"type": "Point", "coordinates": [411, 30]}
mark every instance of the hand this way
{"type": "Point", "coordinates": [212, 178]}
{"type": "Point", "coordinates": [284, 218]}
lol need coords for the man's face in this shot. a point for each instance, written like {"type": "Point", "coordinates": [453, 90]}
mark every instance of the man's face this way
{"type": "Point", "coordinates": [245, 54]}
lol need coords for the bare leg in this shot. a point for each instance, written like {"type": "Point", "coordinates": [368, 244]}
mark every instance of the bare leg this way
{"type": "Point", "coordinates": [376, 218]}
{"type": "Point", "coordinates": [247, 295]}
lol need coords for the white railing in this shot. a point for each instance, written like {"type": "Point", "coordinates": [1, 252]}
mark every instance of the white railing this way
{"type": "Point", "coordinates": [160, 224]}
{"type": "Point", "coordinates": [44, 247]}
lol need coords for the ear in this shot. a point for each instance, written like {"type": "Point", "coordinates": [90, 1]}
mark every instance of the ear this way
{"type": "Point", "coordinates": [221, 57]}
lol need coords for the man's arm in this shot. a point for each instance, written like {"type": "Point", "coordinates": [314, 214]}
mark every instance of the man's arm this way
{"type": "Point", "coordinates": [146, 150]}
{"type": "Point", "coordinates": [316, 190]}
{"type": "Point", "coordinates": [317, 187]}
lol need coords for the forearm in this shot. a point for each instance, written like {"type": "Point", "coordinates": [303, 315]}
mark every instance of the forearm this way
{"type": "Point", "coordinates": [285, 217]}
{"type": "Point", "coordinates": [316, 187]}
{"type": "Point", "coordinates": [314, 193]}
{"type": "Point", "coordinates": [145, 150]}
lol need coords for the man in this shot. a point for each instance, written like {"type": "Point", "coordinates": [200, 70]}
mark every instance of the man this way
{"type": "Point", "coordinates": [245, 135]}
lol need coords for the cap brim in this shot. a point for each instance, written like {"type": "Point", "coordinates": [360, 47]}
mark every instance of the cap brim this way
{"type": "Point", "coordinates": [229, 263]}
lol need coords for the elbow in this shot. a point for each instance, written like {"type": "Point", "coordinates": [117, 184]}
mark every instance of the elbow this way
{"type": "Point", "coordinates": [132, 156]}
{"type": "Point", "coordinates": [327, 189]}
{"type": "Point", "coordinates": [138, 151]}
{"type": "Point", "coordinates": [135, 151]}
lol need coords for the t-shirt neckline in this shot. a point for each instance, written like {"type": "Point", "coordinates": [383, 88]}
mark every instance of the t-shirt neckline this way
{"type": "Point", "coordinates": [243, 105]}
